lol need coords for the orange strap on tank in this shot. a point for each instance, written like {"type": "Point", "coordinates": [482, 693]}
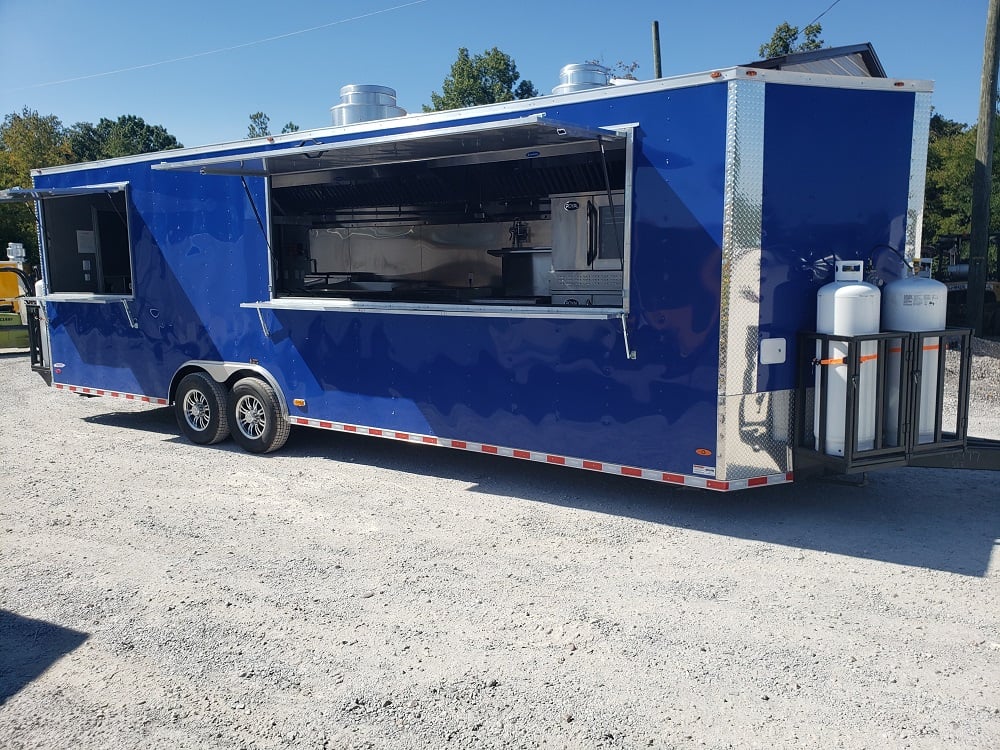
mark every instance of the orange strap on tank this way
{"type": "Point", "coordinates": [843, 360]}
{"type": "Point", "coordinates": [931, 347]}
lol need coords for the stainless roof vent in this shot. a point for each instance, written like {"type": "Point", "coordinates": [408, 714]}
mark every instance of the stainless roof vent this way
{"type": "Point", "coordinates": [361, 103]}
{"type": "Point", "coordinates": [581, 76]}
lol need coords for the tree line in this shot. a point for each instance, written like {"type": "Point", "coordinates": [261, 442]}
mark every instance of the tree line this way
{"type": "Point", "coordinates": [30, 140]}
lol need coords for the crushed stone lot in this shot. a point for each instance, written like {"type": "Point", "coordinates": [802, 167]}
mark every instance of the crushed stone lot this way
{"type": "Point", "coordinates": [349, 592]}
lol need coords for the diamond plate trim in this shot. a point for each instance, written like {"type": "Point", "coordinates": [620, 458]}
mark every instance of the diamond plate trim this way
{"type": "Point", "coordinates": [918, 173]}
{"type": "Point", "coordinates": [760, 434]}
{"type": "Point", "coordinates": [739, 337]}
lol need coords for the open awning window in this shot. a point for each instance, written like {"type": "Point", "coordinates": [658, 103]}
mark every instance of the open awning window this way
{"type": "Point", "coordinates": [26, 195]}
{"type": "Point", "coordinates": [527, 137]}
{"type": "Point", "coordinates": [86, 244]}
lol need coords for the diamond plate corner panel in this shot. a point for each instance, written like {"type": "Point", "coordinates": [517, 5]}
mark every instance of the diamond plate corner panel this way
{"type": "Point", "coordinates": [760, 432]}
{"type": "Point", "coordinates": [918, 172]}
{"type": "Point", "coordinates": [739, 337]}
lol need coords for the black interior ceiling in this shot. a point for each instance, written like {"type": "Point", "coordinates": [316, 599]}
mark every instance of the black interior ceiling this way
{"type": "Point", "coordinates": [421, 183]}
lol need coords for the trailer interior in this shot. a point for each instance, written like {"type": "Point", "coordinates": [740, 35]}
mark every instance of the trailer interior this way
{"type": "Point", "coordinates": [477, 223]}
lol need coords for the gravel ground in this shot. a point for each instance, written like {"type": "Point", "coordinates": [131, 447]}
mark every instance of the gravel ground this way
{"type": "Point", "coordinates": [349, 592]}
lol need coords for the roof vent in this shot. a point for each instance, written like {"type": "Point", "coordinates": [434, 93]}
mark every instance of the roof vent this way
{"type": "Point", "coordinates": [580, 77]}
{"type": "Point", "coordinates": [361, 103]}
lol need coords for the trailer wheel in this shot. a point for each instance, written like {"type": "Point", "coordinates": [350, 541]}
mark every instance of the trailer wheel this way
{"type": "Point", "coordinates": [255, 415]}
{"type": "Point", "coordinates": [200, 408]}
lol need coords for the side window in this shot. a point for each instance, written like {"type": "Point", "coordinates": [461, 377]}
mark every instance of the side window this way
{"type": "Point", "coordinates": [86, 243]}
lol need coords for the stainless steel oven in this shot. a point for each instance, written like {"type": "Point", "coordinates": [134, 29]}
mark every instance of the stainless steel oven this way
{"type": "Point", "coordinates": [588, 249]}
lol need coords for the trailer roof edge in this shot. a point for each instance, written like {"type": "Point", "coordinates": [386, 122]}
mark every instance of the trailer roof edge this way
{"type": "Point", "coordinates": [514, 108]}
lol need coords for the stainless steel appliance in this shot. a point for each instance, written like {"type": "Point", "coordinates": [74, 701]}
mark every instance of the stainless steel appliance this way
{"type": "Point", "coordinates": [588, 249]}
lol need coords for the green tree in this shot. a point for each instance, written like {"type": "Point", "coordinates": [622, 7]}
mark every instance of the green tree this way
{"type": "Point", "coordinates": [260, 125]}
{"type": "Point", "coordinates": [620, 69]}
{"type": "Point", "coordinates": [28, 141]}
{"type": "Point", "coordinates": [785, 40]}
{"type": "Point", "coordinates": [109, 139]}
{"type": "Point", "coordinates": [951, 158]}
{"type": "Point", "coordinates": [480, 79]}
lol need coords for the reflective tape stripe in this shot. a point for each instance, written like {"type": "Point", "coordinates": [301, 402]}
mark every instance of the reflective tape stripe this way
{"type": "Point", "coordinates": [112, 394]}
{"type": "Point", "coordinates": [549, 458]}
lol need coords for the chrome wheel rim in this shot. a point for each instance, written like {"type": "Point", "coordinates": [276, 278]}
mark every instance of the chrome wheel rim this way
{"type": "Point", "coordinates": [251, 417]}
{"type": "Point", "coordinates": [197, 410]}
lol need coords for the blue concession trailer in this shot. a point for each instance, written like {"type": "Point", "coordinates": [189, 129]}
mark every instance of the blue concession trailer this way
{"type": "Point", "coordinates": [611, 279]}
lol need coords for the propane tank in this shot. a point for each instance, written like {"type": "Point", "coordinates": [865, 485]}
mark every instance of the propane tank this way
{"type": "Point", "coordinates": [848, 306]}
{"type": "Point", "coordinates": [914, 303]}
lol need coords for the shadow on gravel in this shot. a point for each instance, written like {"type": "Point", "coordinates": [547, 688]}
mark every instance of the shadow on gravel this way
{"type": "Point", "coordinates": [160, 420]}
{"type": "Point", "coordinates": [29, 647]}
{"type": "Point", "coordinates": [938, 519]}
{"type": "Point", "coordinates": [14, 354]}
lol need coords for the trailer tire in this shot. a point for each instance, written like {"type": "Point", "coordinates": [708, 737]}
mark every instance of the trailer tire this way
{"type": "Point", "coordinates": [257, 423]}
{"type": "Point", "coordinates": [200, 408]}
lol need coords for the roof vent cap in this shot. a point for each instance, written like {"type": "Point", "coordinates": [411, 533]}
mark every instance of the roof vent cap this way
{"type": "Point", "coordinates": [581, 76]}
{"type": "Point", "coordinates": [362, 103]}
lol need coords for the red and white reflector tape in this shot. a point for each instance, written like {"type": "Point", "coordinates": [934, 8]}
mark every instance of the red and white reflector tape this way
{"type": "Point", "coordinates": [548, 458]}
{"type": "Point", "coordinates": [112, 394]}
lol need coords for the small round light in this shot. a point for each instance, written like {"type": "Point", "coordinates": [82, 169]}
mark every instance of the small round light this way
{"type": "Point", "coordinates": [715, 74]}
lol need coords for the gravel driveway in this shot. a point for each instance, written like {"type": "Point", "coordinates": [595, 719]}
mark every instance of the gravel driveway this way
{"type": "Point", "coordinates": [348, 592]}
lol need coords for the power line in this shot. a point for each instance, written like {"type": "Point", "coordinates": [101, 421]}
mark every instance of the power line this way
{"type": "Point", "coordinates": [835, 2]}
{"type": "Point", "coordinates": [220, 50]}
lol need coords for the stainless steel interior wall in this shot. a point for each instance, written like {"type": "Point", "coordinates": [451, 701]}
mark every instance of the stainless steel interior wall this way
{"type": "Point", "coordinates": [445, 253]}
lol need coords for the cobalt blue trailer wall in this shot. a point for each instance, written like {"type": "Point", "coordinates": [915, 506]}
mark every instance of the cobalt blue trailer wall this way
{"type": "Point", "coordinates": [195, 253]}
{"type": "Point", "coordinates": [740, 191]}
{"type": "Point", "coordinates": [816, 172]}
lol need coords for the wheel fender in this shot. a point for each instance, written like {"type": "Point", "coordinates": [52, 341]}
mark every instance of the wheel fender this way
{"type": "Point", "coordinates": [221, 372]}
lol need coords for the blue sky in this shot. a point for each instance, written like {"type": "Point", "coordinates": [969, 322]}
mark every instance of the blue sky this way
{"type": "Point", "coordinates": [410, 45]}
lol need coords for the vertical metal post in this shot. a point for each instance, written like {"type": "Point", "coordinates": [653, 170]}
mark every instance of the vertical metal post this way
{"type": "Point", "coordinates": [853, 403]}
{"type": "Point", "coordinates": [880, 362]}
{"type": "Point", "coordinates": [657, 70]}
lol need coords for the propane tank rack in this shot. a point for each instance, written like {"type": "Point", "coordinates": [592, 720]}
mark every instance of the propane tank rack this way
{"type": "Point", "coordinates": [825, 362]}
{"type": "Point", "coordinates": [38, 363]}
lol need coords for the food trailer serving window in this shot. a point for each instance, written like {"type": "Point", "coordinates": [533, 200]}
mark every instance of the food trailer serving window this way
{"type": "Point", "coordinates": [85, 238]}
{"type": "Point", "coordinates": [526, 212]}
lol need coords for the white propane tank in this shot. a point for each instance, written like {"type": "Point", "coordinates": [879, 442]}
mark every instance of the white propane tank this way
{"type": "Point", "coordinates": [914, 303]}
{"type": "Point", "coordinates": [848, 306]}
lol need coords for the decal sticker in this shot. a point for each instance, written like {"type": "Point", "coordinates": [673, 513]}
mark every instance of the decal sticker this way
{"type": "Point", "coordinates": [703, 471]}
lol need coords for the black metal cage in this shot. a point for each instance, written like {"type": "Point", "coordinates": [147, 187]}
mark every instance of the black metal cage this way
{"type": "Point", "coordinates": [909, 419]}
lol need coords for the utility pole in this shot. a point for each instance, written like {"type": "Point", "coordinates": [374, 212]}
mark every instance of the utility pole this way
{"type": "Point", "coordinates": [657, 72]}
{"type": "Point", "coordinates": [982, 178]}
